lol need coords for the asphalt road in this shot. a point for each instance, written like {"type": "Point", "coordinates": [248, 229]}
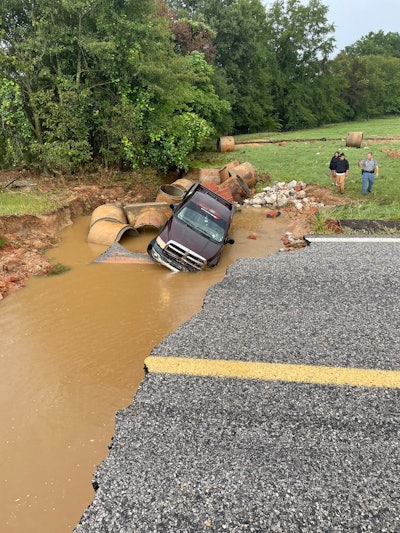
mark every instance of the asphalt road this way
{"type": "Point", "coordinates": [276, 408]}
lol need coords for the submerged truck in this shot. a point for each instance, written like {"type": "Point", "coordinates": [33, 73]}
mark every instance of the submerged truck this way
{"type": "Point", "coordinates": [194, 236]}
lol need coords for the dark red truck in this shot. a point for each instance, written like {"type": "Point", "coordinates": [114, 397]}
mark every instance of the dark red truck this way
{"type": "Point", "coordinates": [194, 236]}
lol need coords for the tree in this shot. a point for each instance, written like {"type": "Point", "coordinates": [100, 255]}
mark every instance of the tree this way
{"type": "Point", "coordinates": [190, 35]}
{"type": "Point", "coordinates": [353, 85]}
{"type": "Point", "coordinates": [241, 57]}
{"type": "Point", "coordinates": [369, 84]}
{"type": "Point", "coordinates": [200, 9]}
{"type": "Point", "coordinates": [304, 91]}
{"type": "Point", "coordinates": [96, 75]}
{"type": "Point", "coordinates": [379, 43]}
{"type": "Point", "coordinates": [15, 132]}
{"type": "Point", "coordinates": [167, 130]}
{"type": "Point", "coordinates": [369, 70]}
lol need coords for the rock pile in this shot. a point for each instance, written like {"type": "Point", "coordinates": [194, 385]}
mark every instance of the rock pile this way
{"type": "Point", "coordinates": [290, 196]}
{"type": "Point", "coordinates": [291, 243]}
{"type": "Point", "coordinates": [283, 195]}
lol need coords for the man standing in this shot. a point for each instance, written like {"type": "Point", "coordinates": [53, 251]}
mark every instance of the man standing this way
{"type": "Point", "coordinates": [342, 171]}
{"type": "Point", "coordinates": [369, 170]}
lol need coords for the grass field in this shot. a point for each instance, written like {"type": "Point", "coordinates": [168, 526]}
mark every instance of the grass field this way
{"type": "Point", "coordinates": [305, 156]}
{"type": "Point", "coordinates": [28, 203]}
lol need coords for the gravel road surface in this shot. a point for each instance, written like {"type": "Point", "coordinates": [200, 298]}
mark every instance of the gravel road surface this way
{"type": "Point", "coordinates": [197, 453]}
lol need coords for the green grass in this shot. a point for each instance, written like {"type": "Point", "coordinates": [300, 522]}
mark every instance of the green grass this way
{"type": "Point", "coordinates": [28, 203]}
{"type": "Point", "coordinates": [380, 210]}
{"type": "Point", "coordinates": [305, 156]}
{"type": "Point", "coordinates": [375, 128]}
{"type": "Point", "coordinates": [57, 269]}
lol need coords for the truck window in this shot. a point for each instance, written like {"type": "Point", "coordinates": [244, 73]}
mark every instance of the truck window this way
{"type": "Point", "coordinates": [203, 221]}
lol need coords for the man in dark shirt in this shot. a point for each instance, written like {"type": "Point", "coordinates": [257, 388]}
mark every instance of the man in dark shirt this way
{"type": "Point", "coordinates": [342, 171]}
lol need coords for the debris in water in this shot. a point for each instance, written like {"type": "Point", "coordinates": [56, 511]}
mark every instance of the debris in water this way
{"type": "Point", "coordinates": [118, 254]}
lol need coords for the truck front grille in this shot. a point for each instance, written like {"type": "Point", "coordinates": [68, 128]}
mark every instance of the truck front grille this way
{"type": "Point", "coordinates": [188, 259]}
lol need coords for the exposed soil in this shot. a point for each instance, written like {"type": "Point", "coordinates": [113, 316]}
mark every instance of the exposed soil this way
{"type": "Point", "coordinates": [24, 239]}
{"type": "Point", "coordinates": [302, 221]}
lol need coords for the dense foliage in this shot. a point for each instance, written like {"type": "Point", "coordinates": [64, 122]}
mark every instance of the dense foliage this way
{"type": "Point", "coordinates": [98, 79]}
{"type": "Point", "coordinates": [148, 82]}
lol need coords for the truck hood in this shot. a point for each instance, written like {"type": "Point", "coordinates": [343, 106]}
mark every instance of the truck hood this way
{"type": "Point", "coordinates": [190, 238]}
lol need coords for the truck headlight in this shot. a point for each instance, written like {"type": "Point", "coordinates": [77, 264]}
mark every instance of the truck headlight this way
{"type": "Point", "coordinates": [160, 242]}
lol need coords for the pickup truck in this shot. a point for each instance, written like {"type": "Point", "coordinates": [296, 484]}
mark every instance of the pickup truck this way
{"type": "Point", "coordinates": [193, 237]}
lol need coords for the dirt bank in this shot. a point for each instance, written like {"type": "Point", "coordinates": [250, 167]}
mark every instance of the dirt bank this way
{"type": "Point", "coordinates": [24, 239]}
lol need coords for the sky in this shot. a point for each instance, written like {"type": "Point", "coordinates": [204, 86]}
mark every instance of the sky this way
{"type": "Point", "coordinates": [355, 18]}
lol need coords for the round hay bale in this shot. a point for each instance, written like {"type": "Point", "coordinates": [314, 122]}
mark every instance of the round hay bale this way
{"type": "Point", "coordinates": [226, 144]}
{"type": "Point", "coordinates": [354, 139]}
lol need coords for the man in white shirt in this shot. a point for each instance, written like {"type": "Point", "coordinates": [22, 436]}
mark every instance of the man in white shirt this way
{"type": "Point", "coordinates": [370, 169]}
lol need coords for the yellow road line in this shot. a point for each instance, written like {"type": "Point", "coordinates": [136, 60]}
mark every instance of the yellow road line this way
{"type": "Point", "coordinates": [325, 375]}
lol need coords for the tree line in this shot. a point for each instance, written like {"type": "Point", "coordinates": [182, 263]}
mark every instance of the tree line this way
{"type": "Point", "coordinates": [148, 82]}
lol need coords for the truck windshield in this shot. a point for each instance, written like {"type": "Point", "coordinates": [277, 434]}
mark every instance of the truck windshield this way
{"type": "Point", "coordinates": [203, 221]}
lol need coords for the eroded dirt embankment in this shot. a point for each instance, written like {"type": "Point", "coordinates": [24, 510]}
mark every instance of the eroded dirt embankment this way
{"type": "Point", "coordinates": [24, 239]}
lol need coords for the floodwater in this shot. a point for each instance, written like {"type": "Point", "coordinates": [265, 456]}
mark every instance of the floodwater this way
{"type": "Point", "coordinates": [71, 355]}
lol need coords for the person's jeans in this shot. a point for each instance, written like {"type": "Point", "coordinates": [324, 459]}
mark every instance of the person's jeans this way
{"type": "Point", "coordinates": [368, 179]}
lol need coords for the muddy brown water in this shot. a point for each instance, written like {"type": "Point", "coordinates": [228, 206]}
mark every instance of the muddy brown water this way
{"type": "Point", "coordinates": [71, 353]}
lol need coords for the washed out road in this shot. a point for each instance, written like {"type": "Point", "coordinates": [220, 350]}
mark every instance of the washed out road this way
{"type": "Point", "coordinates": [276, 408]}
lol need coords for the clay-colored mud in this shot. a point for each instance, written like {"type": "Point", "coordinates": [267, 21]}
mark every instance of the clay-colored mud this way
{"type": "Point", "coordinates": [71, 354]}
